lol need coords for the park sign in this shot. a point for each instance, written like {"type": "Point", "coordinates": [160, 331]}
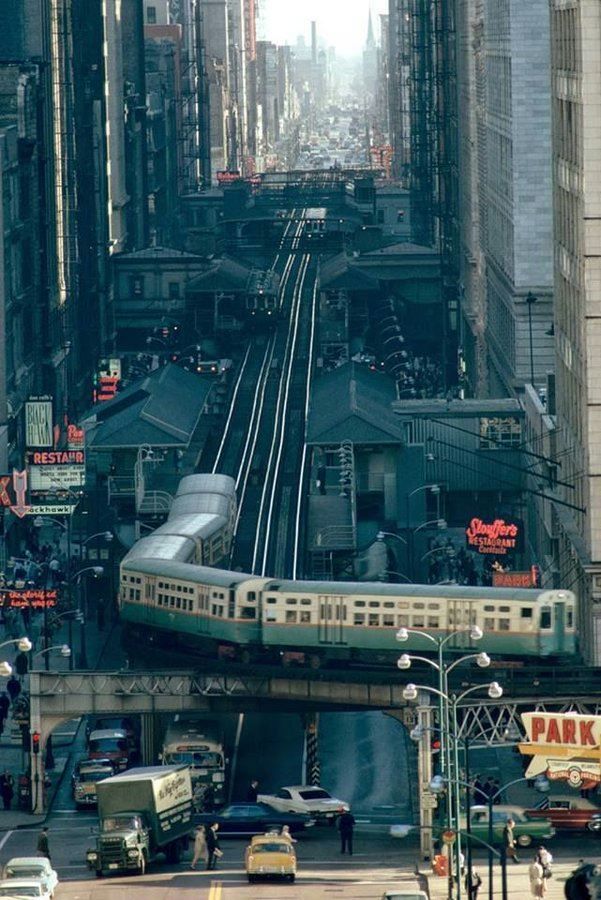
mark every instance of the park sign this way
{"type": "Point", "coordinates": [564, 747]}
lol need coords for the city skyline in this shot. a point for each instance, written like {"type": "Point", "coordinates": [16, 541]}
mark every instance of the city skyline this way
{"type": "Point", "coordinates": [284, 22]}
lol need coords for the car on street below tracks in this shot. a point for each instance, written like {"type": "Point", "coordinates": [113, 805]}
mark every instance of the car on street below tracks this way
{"type": "Point", "coordinates": [404, 894]}
{"type": "Point", "coordinates": [25, 887]}
{"type": "Point", "coordinates": [306, 798]}
{"type": "Point", "coordinates": [270, 855]}
{"type": "Point", "coordinates": [31, 867]}
{"type": "Point", "coordinates": [566, 813]}
{"type": "Point", "coordinates": [252, 818]}
{"type": "Point", "coordinates": [525, 832]}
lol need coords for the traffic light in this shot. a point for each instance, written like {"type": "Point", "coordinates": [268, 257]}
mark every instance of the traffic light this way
{"type": "Point", "coordinates": [435, 747]}
{"type": "Point", "coordinates": [35, 741]}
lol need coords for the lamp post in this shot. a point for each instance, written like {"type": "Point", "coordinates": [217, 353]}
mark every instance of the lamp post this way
{"type": "Point", "coordinates": [23, 644]}
{"type": "Point", "coordinates": [97, 571]}
{"type": "Point", "coordinates": [530, 300]}
{"type": "Point", "coordinates": [410, 692]}
{"type": "Point", "coordinates": [74, 615]}
{"type": "Point", "coordinates": [435, 490]}
{"type": "Point", "coordinates": [65, 651]}
{"type": "Point", "coordinates": [39, 522]}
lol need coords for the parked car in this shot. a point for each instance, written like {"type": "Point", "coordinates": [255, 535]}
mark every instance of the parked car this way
{"type": "Point", "coordinates": [32, 867]}
{"type": "Point", "coordinates": [270, 855]}
{"type": "Point", "coordinates": [595, 823]}
{"type": "Point", "coordinates": [86, 775]}
{"type": "Point", "coordinates": [566, 813]}
{"type": "Point", "coordinates": [253, 818]}
{"type": "Point", "coordinates": [25, 888]}
{"type": "Point", "coordinates": [525, 832]}
{"type": "Point", "coordinates": [305, 798]}
{"type": "Point", "coordinates": [112, 744]}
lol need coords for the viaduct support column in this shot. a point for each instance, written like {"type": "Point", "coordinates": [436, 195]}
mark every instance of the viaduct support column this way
{"type": "Point", "coordinates": [424, 769]}
{"type": "Point", "coordinates": [148, 736]}
{"type": "Point", "coordinates": [312, 769]}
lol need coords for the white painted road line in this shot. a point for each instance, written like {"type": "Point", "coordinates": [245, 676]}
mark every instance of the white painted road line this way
{"type": "Point", "coordinates": [5, 838]}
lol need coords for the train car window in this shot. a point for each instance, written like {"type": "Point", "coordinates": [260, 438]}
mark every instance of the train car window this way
{"type": "Point", "coordinates": [504, 625]}
{"type": "Point", "coordinates": [433, 605]}
{"type": "Point", "coordinates": [271, 600]}
{"type": "Point", "coordinates": [305, 616]}
{"type": "Point", "coordinates": [526, 612]}
{"type": "Point", "coordinates": [214, 609]}
{"type": "Point", "coordinates": [388, 619]}
{"type": "Point", "coordinates": [290, 601]}
{"type": "Point", "coordinates": [419, 605]}
{"type": "Point", "coordinates": [569, 617]}
{"type": "Point", "coordinates": [489, 624]}
{"type": "Point", "coordinates": [374, 619]}
{"type": "Point", "coordinates": [251, 596]}
{"type": "Point", "coordinates": [418, 621]}
{"type": "Point", "coordinates": [137, 594]}
{"type": "Point", "coordinates": [545, 618]}
{"type": "Point", "coordinates": [402, 621]}
{"type": "Point", "coordinates": [178, 588]}
{"type": "Point", "coordinates": [433, 621]}
{"type": "Point", "coordinates": [504, 609]}
{"type": "Point", "coordinates": [374, 604]}
{"type": "Point", "coordinates": [359, 619]}
{"type": "Point", "coordinates": [403, 604]}
{"type": "Point", "coordinates": [248, 612]}
{"type": "Point", "coordinates": [178, 602]}
{"type": "Point", "coordinates": [360, 603]}
{"type": "Point", "coordinates": [306, 602]}
{"type": "Point", "coordinates": [388, 605]}
{"type": "Point", "coordinates": [290, 617]}
{"type": "Point", "coordinates": [489, 609]}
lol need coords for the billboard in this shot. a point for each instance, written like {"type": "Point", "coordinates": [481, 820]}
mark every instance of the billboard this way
{"type": "Point", "coordinates": [526, 579]}
{"type": "Point", "coordinates": [563, 746]}
{"type": "Point", "coordinates": [498, 537]}
{"type": "Point", "coordinates": [39, 422]}
{"type": "Point", "coordinates": [54, 470]}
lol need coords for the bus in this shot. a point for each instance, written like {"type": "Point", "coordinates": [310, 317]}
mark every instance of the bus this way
{"type": "Point", "coordinates": [198, 743]}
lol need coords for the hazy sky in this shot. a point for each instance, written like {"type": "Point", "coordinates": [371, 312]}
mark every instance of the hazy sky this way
{"type": "Point", "coordinates": [342, 23]}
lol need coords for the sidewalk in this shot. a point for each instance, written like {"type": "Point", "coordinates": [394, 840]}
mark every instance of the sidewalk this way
{"type": "Point", "coordinates": [518, 884]}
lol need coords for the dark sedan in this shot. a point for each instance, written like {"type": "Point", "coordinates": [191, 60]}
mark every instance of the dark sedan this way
{"type": "Point", "coordinates": [252, 818]}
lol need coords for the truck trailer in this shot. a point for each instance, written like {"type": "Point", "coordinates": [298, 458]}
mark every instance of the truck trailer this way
{"type": "Point", "coordinates": [143, 813]}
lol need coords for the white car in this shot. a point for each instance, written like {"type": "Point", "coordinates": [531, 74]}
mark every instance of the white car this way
{"type": "Point", "coordinates": [404, 894]}
{"type": "Point", "coordinates": [24, 888]}
{"type": "Point", "coordinates": [305, 798]}
{"type": "Point", "coordinates": [29, 867]}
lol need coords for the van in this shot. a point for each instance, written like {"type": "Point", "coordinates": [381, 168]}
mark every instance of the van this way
{"type": "Point", "coordinates": [110, 743]}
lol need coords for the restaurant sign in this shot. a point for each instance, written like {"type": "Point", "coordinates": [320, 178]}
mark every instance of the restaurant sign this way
{"type": "Point", "coordinates": [33, 598]}
{"type": "Point", "coordinates": [497, 537]}
{"type": "Point", "coordinates": [564, 747]}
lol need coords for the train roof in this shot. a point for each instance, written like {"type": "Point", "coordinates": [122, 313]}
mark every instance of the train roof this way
{"type": "Point", "coordinates": [165, 568]}
{"type": "Point", "coordinates": [194, 525]}
{"type": "Point", "coordinates": [200, 483]}
{"type": "Point", "coordinates": [194, 504]}
{"type": "Point", "coordinates": [385, 589]}
{"type": "Point", "coordinates": [162, 548]}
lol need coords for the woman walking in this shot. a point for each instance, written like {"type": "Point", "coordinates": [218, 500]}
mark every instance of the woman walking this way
{"type": "Point", "coordinates": [537, 882]}
{"type": "Point", "coordinates": [200, 846]}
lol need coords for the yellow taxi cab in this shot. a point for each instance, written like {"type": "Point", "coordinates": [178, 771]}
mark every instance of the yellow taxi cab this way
{"type": "Point", "coordinates": [270, 855]}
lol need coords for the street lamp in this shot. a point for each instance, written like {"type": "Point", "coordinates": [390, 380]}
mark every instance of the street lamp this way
{"type": "Point", "coordinates": [530, 300]}
{"type": "Point", "coordinates": [24, 645]}
{"type": "Point", "coordinates": [6, 669]}
{"type": "Point", "coordinates": [75, 615]}
{"type": "Point", "coordinates": [97, 571]}
{"type": "Point", "coordinates": [65, 651]}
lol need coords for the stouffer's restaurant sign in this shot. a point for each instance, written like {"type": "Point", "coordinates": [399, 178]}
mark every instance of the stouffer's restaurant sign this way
{"type": "Point", "coordinates": [497, 538]}
{"type": "Point", "coordinates": [563, 747]}
{"type": "Point", "coordinates": [33, 598]}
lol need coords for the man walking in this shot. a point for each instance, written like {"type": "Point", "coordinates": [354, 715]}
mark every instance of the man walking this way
{"type": "Point", "coordinates": [253, 792]}
{"type": "Point", "coordinates": [346, 826]}
{"type": "Point", "coordinates": [43, 845]}
{"type": "Point", "coordinates": [7, 788]}
{"type": "Point", "coordinates": [509, 841]}
{"type": "Point", "coordinates": [213, 848]}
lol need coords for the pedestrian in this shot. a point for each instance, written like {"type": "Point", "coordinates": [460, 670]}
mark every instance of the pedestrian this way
{"type": "Point", "coordinates": [209, 798]}
{"type": "Point", "coordinates": [253, 792]}
{"type": "Point", "coordinates": [546, 860]}
{"type": "Point", "coordinates": [473, 882]}
{"type": "Point", "coordinates": [537, 882]}
{"type": "Point", "coordinates": [509, 840]}
{"type": "Point", "coordinates": [213, 848]}
{"type": "Point", "coordinates": [13, 686]}
{"type": "Point", "coordinates": [4, 705]}
{"type": "Point", "coordinates": [346, 826]}
{"type": "Point", "coordinates": [285, 832]}
{"type": "Point", "coordinates": [7, 788]}
{"type": "Point", "coordinates": [200, 846]}
{"type": "Point", "coordinates": [497, 792]}
{"type": "Point", "coordinates": [480, 796]}
{"type": "Point", "coordinates": [43, 845]}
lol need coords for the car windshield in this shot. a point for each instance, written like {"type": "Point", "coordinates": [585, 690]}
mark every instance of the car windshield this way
{"type": "Point", "coordinates": [93, 776]}
{"type": "Point", "coordinates": [28, 871]}
{"type": "Point", "coordinates": [272, 848]}
{"type": "Point", "coordinates": [29, 890]}
{"type": "Point", "coordinates": [108, 745]}
{"type": "Point", "coordinates": [120, 823]}
{"type": "Point", "coordinates": [316, 794]}
{"type": "Point", "coordinates": [195, 758]}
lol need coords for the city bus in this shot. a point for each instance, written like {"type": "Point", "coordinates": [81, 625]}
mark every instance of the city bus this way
{"type": "Point", "coordinates": [198, 743]}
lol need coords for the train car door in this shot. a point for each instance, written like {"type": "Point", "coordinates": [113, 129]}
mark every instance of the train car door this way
{"type": "Point", "coordinates": [559, 626]}
{"type": "Point", "coordinates": [331, 619]}
{"type": "Point", "coordinates": [460, 614]}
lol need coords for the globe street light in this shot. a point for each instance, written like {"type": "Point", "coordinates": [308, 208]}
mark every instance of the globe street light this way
{"type": "Point", "coordinates": [23, 644]}
{"type": "Point", "coordinates": [97, 571]}
{"type": "Point", "coordinates": [65, 651]}
{"type": "Point", "coordinates": [6, 669]}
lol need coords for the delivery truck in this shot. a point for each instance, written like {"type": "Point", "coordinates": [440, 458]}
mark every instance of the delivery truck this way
{"type": "Point", "coordinates": [142, 813]}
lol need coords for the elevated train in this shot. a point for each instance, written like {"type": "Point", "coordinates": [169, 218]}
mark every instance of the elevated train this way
{"type": "Point", "coordinates": [172, 592]}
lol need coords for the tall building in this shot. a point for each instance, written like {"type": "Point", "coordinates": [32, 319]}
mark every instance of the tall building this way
{"type": "Point", "coordinates": [215, 125]}
{"type": "Point", "coordinates": [370, 61]}
{"type": "Point", "coordinates": [576, 97]}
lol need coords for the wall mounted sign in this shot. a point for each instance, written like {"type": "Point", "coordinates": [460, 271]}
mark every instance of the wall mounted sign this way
{"type": "Point", "coordinates": [497, 537]}
{"type": "Point", "coordinates": [564, 747]}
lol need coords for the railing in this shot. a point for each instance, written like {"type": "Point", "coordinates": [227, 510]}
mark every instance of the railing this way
{"type": "Point", "coordinates": [121, 486]}
{"type": "Point", "coordinates": [336, 537]}
{"type": "Point", "coordinates": [154, 503]}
